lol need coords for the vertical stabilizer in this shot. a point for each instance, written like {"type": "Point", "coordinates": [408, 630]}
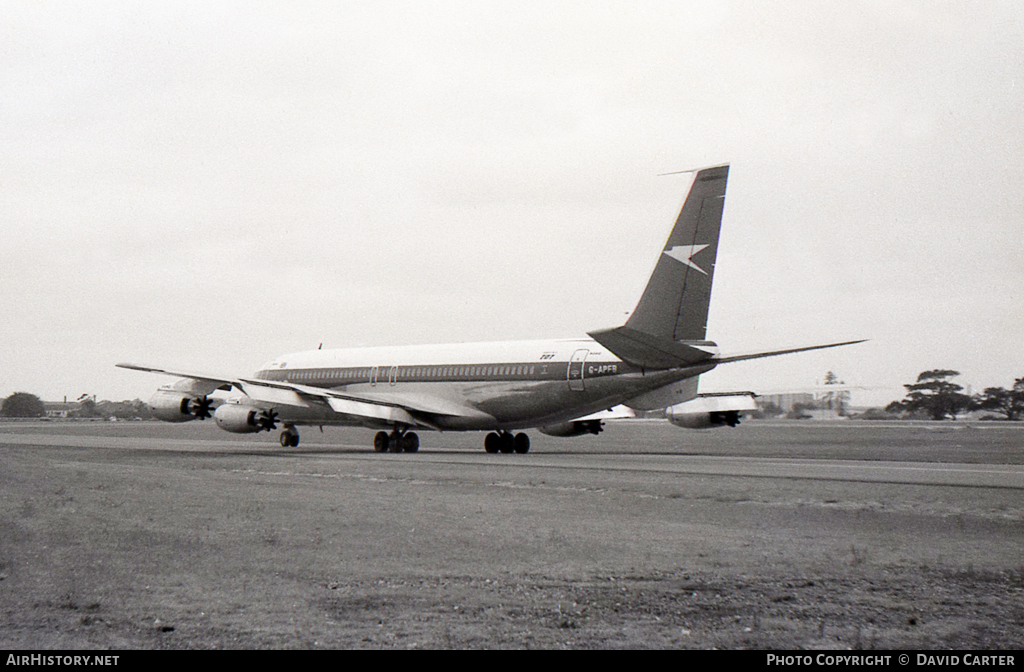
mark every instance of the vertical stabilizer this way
{"type": "Point", "coordinates": [675, 303]}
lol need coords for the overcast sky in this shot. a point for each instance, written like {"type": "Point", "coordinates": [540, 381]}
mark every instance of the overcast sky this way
{"type": "Point", "coordinates": [213, 184]}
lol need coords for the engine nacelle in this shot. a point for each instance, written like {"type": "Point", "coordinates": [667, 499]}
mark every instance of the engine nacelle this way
{"type": "Point", "coordinates": [703, 420]}
{"type": "Point", "coordinates": [711, 410]}
{"type": "Point", "coordinates": [575, 428]}
{"type": "Point", "coordinates": [171, 406]}
{"type": "Point", "coordinates": [238, 419]}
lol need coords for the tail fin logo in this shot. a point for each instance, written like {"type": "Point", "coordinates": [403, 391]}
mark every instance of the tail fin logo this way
{"type": "Point", "coordinates": [684, 254]}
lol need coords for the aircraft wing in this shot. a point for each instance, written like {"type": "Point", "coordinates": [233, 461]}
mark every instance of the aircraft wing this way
{"type": "Point", "coordinates": [195, 383]}
{"type": "Point", "coordinates": [412, 410]}
{"type": "Point", "coordinates": [722, 359]}
{"type": "Point", "coordinates": [620, 412]}
{"type": "Point", "coordinates": [813, 389]}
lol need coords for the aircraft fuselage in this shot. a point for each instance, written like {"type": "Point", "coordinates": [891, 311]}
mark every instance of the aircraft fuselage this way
{"type": "Point", "coordinates": [510, 385]}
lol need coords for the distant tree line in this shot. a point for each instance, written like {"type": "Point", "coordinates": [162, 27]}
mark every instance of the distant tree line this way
{"type": "Point", "coordinates": [26, 405]}
{"type": "Point", "coordinates": [935, 396]}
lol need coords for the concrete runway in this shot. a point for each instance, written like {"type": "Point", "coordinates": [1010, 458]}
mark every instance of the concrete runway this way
{"type": "Point", "coordinates": [659, 457]}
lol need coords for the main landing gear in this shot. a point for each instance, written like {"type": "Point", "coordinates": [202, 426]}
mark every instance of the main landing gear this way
{"type": "Point", "coordinates": [396, 442]}
{"type": "Point", "coordinates": [505, 442]}
{"type": "Point", "coordinates": [290, 437]}
{"type": "Point", "coordinates": [404, 441]}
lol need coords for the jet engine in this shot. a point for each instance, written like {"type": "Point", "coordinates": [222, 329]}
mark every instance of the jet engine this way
{"type": "Point", "coordinates": [574, 428]}
{"type": "Point", "coordinates": [703, 420]}
{"type": "Point", "coordinates": [172, 406]}
{"type": "Point", "coordinates": [711, 410]}
{"type": "Point", "coordinates": [241, 419]}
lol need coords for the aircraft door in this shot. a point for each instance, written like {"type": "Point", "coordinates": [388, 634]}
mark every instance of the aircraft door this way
{"type": "Point", "coordinates": [575, 372]}
{"type": "Point", "coordinates": [393, 375]}
{"type": "Point", "coordinates": [374, 372]}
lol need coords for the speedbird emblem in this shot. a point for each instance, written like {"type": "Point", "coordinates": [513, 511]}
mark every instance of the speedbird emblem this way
{"type": "Point", "coordinates": [684, 254]}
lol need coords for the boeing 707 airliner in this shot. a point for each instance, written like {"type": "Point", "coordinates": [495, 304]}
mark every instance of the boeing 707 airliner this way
{"type": "Point", "coordinates": [560, 387]}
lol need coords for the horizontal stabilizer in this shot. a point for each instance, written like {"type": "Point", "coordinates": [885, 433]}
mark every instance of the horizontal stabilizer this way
{"type": "Point", "coordinates": [649, 351]}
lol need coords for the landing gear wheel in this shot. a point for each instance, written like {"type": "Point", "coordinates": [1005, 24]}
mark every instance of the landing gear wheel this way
{"type": "Point", "coordinates": [395, 442]}
{"type": "Point", "coordinates": [380, 442]}
{"type": "Point", "coordinates": [492, 442]}
{"type": "Point", "coordinates": [521, 443]}
{"type": "Point", "coordinates": [410, 442]}
{"type": "Point", "coordinates": [507, 444]}
{"type": "Point", "coordinates": [289, 438]}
